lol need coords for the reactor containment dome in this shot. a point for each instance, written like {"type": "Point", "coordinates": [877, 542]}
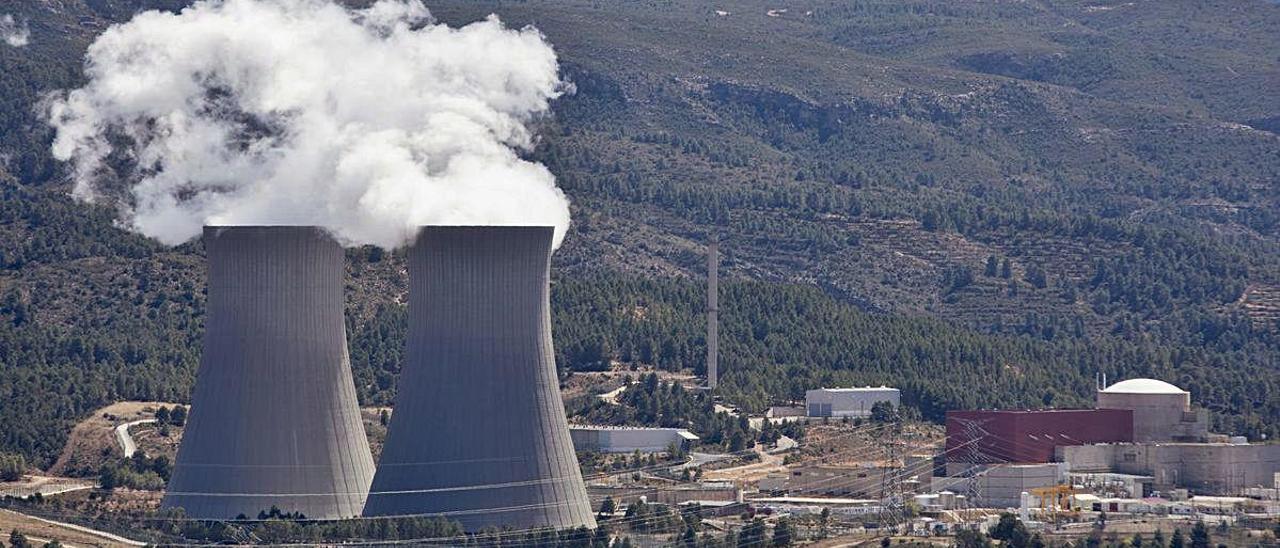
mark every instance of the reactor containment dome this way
{"type": "Point", "coordinates": [1143, 386]}
{"type": "Point", "coordinates": [274, 419]}
{"type": "Point", "coordinates": [1161, 411]}
{"type": "Point", "coordinates": [479, 433]}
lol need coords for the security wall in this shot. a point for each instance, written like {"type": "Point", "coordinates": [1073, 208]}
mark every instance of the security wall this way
{"type": "Point", "coordinates": [274, 419]}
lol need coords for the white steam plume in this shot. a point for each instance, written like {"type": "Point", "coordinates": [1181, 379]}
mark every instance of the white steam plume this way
{"type": "Point", "coordinates": [14, 34]}
{"type": "Point", "coordinates": [291, 112]}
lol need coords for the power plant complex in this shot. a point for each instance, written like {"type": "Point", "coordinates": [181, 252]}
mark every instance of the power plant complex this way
{"type": "Point", "coordinates": [479, 435]}
{"type": "Point", "coordinates": [1143, 432]}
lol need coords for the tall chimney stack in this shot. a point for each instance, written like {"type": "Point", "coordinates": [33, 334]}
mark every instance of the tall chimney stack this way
{"type": "Point", "coordinates": [713, 312]}
{"type": "Point", "coordinates": [274, 419]}
{"type": "Point", "coordinates": [479, 433]}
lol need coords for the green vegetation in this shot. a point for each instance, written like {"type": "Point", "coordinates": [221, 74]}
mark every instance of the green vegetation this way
{"type": "Point", "coordinates": [174, 416]}
{"type": "Point", "coordinates": [779, 340]}
{"type": "Point", "coordinates": [12, 467]}
{"type": "Point", "coordinates": [1014, 534]}
{"type": "Point", "coordinates": [969, 538]}
{"type": "Point", "coordinates": [136, 472]}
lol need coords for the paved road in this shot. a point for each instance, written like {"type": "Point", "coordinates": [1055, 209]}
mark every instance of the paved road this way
{"type": "Point", "coordinates": [699, 459]}
{"type": "Point", "coordinates": [46, 489]}
{"type": "Point", "coordinates": [93, 532]}
{"type": "Point", "coordinates": [769, 463]}
{"type": "Point", "coordinates": [612, 395]}
{"type": "Point", "coordinates": [126, 441]}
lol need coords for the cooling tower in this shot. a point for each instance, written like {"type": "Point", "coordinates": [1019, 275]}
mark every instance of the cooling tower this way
{"type": "Point", "coordinates": [479, 433]}
{"type": "Point", "coordinates": [274, 419]}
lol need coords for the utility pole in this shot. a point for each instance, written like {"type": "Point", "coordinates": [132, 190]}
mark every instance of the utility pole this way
{"type": "Point", "coordinates": [892, 476]}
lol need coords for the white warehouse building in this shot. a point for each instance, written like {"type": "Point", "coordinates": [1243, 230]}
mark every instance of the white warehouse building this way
{"type": "Point", "coordinates": [629, 439]}
{"type": "Point", "coordinates": [848, 402]}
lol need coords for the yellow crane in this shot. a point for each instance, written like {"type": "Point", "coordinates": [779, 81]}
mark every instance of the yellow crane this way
{"type": "Point", "coordinates": [1054, 499]}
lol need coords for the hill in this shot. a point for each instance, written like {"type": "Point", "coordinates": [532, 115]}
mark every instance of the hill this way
{"type": "Point", "coordinates": [985, 203]}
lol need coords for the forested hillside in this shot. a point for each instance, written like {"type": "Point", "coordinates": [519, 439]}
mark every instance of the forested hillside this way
{"type": "Point", "coordinates": [984, 203]}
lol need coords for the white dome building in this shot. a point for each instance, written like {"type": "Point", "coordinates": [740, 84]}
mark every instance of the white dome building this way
{"type": "Point", "coordinates": [1161, 411]}
{"type": "Point", "coordinates": [1145, 386]}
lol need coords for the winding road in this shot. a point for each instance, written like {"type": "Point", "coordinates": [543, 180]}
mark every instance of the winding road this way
{"type": "Point", "coordinates": [126, 441]}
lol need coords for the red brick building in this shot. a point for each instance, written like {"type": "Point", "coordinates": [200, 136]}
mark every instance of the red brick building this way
{"type": "Point", "coordinates": [983, 437]}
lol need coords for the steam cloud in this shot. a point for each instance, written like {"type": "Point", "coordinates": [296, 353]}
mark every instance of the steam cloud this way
{"type": "Point", "coordinates": [12, 33]}
{"type": "Point", "coordinates": [366, 122]}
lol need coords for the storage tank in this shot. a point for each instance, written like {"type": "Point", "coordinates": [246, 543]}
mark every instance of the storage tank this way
{"type": "Point", "coordinates": [1161, 411]}
{"type": "Point", "coordinates": [479, 432]}
{"type": "Point", "coordinates": [274, 419]}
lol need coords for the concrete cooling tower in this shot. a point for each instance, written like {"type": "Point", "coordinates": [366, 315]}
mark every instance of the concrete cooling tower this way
{"type": "Point", "coordinates": [274, 419]}
{"type": "Point", "coordinates": [479, 432]}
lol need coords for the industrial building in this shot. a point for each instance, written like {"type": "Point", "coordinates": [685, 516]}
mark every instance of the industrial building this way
{"type": "Point", "coordinates": [629, 439]}
{"type": "Point", "coordinates": [1002, 485]}
{"type": "Point", "coordinates": [814, 506]}
{"type": "Point", "coordinates": [1204, 468]}
{"type": "Point", "coordinates": [1111, 483]}
{"type": "Point", "coordinates": [274, 419]}
{"type": "Point", "coordinates": [1161, 411]}
{"type": "Point", "coordinates": [479, 434]}
{"type": "Point", "coordinates": [940, 501]}
{"type": "Point", "coordinates": [848, 402]}
{"type": "Point", "coordinates": [1144, 437]}
{"type": "Point", "coordinates": [831, 480]}
{"type": "Point", "coordinates": [1031, 436]}
{"type": "Point", "coordinates": [706, 492]}
{"type": "Point", "coordinates": [1172, 445]}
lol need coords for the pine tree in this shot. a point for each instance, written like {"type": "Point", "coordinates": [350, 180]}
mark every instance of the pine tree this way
{"type": "Point", "coordinates": [18, 540]}
{"type": "Point", "coordinates": [689, 538]}
{"type": "Point", "coordinates": [608, 507]}
{"type": "Point", "coordinates": [1200, 536]}
{"type": "Point", "coordinates": [783, 532]}
{"type": "Point", "coordinates": [752, 535]}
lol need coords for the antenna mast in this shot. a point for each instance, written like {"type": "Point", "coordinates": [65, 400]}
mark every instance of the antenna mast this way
{"type": "Point", "coordinates": [713, 311]}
